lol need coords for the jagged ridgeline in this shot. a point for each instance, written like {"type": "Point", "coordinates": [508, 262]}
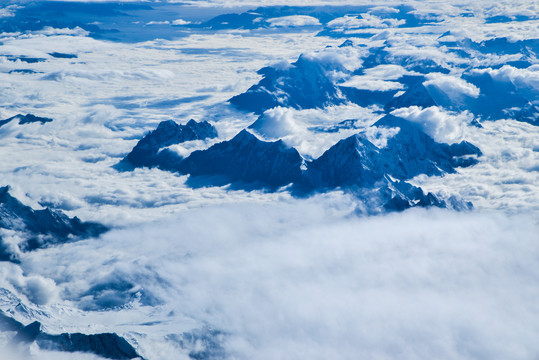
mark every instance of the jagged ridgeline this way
{"type": "Point", "coordinates": [151, 151]}
{"type": "Point", "coordinates": [485, 91]}
{"type": "Point", "coordinates": [354, 163]}
{"type": "Point", "coordinates": [39, 228]}
{"type": "Point", "coordinates": [249, 161]}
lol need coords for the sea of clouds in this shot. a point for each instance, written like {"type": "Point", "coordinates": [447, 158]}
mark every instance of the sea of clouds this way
{"type": "Point", "coordinates": [264, 275]}
{"type": "Point", "coordinates": [303, 278]}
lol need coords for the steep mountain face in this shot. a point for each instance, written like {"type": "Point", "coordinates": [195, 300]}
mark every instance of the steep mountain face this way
{"type": "Point", "coordinates": [246, 158]}
{"type": "Point", "coordinates": [43, 227]}
{"type": "Point", "coordinates": [352, 161]}
{"type": "Point", "coordinates": [496, 99]}
{"type": "Point", "coordinates": [25, 119]}
{"type": "Point", "coordinates": [529, 114]}
{"type": "Point", "coordinates": [147, 151]}
{"type": "Point", "coordinates": [304, 85]}
{"type": "Point", "coordinates": [107, 345]}
{"type": "Point", "coordinates": [417, 95]}
{"type": "Point", "coordinates": [356, 161]}
{"type": "Point", "coordinates": [412, 152]}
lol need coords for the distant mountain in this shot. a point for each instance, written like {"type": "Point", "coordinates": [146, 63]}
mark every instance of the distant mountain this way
{"type": "Point", "coordinates": [497, 99]}
{"type": "Point", "coordinates": [42, 227]}
{"type": "Point", "coordinates": [304, 85]}
{"type": "Point", "coordinates": [382, 56]}
{"type": "Point", "coordinates": [148, 151]}
{"type": "Point", "coordinates": [258, 18]}
{"type": "Point", "coordinates": [529, 113]}
{"type": "Point", "coordinates": [417, 95]}
{"type": "Point", "coordinates": [310, 83]}
{"type": "Point", "coordinates": [528, 48]}
{"type": "Point", "coordinates": [25, 119]}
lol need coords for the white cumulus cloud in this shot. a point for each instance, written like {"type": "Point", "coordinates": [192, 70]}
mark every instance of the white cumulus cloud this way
{"type": "Point", "coordinates": [452, 86]}
{"type": "Point", "coordinates": [365, 21]}
{"type": "Point", "coordinates": [441, 125]}
{"type": "Point", "coordinates": [293, 21]}
{"type": "Point", "coordinates": [180, 22]}
{"type": "Point", "coordinates": [277, 123]}
{"type": "Point", "coordinates": [528, 77]}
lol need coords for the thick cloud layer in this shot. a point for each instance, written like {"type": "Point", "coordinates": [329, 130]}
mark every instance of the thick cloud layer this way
{"type": "Point", "coordinates": [305, 279]}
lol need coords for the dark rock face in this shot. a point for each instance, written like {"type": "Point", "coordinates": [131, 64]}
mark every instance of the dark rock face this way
{"type": "Point", "coordinates": [529, 114]}
{"type": "Point", "coordinates": [356, 161]}
{"type": "Point", "coordinates": [147, 151]}
{"type": "Point", "coordinates": [45, 227]}
{"type": "Point", "coordinates": [304, 85]}
{"type": "Point", "coordinates": [28, 333]}
{"type": "Point", "coordinates": [496, 99]}
{"type": "Point", "coordinates": [17, 216]}
{"type": "Point", "coordinates": [107, 345]}
{"type": "Point", "coordinates": [412, 152]}
{"type": "Point", "coordinates": [9, 324]}
{"type": "Point", "coordinates": [308, 83]}
{"type": "Point", "coordinates": [353, 162]}
{"type": "Point", "coordinates": [417, 95]}
{"type": "Point", "coordinates": [26, 119]}
{"type": "Point", "coordinates": [245, 158]}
